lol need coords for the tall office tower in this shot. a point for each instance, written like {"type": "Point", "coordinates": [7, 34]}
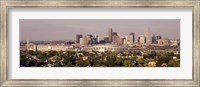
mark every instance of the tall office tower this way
{"type": "Point", "coordinates": [127, 40]}
{"type": "Point", "coordinates": [95, 38]}
{"type": "Point", "coordinates": [147, 35]}
{"type": "Point", "coordinates": [110, 34]}
{"type": "Point", "coordinates": [138, 40]}
{"type": "Point", "coordinates": [115, 39]}
{"type": "Point", "coordinates": [154, 40]}
{"type": "Point", "coordinates": [142, 39]}
{"type": "Point", "coordinates": [132, 35]}
{"type": "Point", "coordinates": [81, 41]}
{"type": "Point", "coordinates": [106, 39]}
{"type": "Point", "coordinates": [90, 39]}
{"type": "Point", "coordinates": [120, 40]}
{"type": "Point", "coordinates": [78, 36]}
{"type": "Point", "coordinates": [86, 40]}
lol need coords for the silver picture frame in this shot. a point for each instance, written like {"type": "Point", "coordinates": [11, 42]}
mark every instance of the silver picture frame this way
{"type": "Point", "coordinates": [7, 4]}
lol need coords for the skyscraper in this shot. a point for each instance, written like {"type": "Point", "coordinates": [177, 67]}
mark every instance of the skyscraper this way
{"type": "Point", "coordinates": [115, 39]}
{"type": "Point", "coordinates": [110, 34]}
{"type": "Point", "coordinates": [138, 40]}
{"type": "Point", "coordinates": [132, 37]}
{"type": "Point", "coordinates": [121, 40]}
{"type": "Point", "coordinates": [106, 39]}
{"type": "Point", "coordinates": [86, 40]}
{"type": "Point", "coordinates": [78, 36]}
{"type": "Point", "coordinates": [154, 39]}
{"type": "Point", "coordinates": [89, 37]}
{"type": "Point", "coordinates": [142, 39]}
{"type": "Point", "coordinates": [81, 41]}
{"type": "Point", "coordinates": [147, 35]}
{"type": "Point", "coordinates": [127, 40]}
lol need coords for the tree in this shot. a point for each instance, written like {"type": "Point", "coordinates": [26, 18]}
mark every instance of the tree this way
{"type": "Point", "coordinates": [111, 61]}
{"type": "Point", "coordinates": [41, 55]}
{"type": "Point", "coordinates": [69, 60]}
{"type": "Point", "coordinates": [173, 63]}
{"type": "Point", "coordinates": [81, 63]}
{"type": "Point", "coordinates": [22, 59]}
{"type": "Point", "coordinates": [31, 52]}
{"type": "Point", "coordinates": [137, 53]}
{"type": "Point", "coordinates": [95, 61]}
{"type": "Point", "coordinates": [163, 58]}
{"type": "Point", "coordinates": [140, 62]}
{"type": "Point", "coordinates": [152, 54]}
{"type": "Point", "coordinates": [127, 63]}
{"type": "Point", "coordinates": [118, 62]}
{"type": "Point", "coordinates": [51, 53]}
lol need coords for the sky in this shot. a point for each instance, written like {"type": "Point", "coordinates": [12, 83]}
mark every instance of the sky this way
{"type": "Point", "coordinates": [66, 29]}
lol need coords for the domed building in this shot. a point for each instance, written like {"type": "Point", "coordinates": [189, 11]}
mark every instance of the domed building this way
{"type": "Point", "coordinates": [105, 47]}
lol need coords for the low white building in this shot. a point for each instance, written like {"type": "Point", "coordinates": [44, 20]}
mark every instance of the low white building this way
{"type": "Point", "coordinates": [106, 47]}
{"type": "Point", "coordinates": [48, 47]}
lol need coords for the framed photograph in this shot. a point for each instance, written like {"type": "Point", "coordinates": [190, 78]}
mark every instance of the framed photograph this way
{"type": "Point", "coordinates": [99, 43]}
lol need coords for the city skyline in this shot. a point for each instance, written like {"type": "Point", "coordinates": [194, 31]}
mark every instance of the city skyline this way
{"type": "Point", "coordinates": [67, 29]}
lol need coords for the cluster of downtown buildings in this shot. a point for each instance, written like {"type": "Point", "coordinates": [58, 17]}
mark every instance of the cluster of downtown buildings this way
{"type": "Point", "coordinates": [112, 42]}
{"type": "Point", "coordinates": [115, 39]}
{"type": "Point", "coordinates": [95, 44]}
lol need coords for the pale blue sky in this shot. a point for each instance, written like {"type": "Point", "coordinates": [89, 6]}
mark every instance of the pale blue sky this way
{"type": "Point", "coordinates": [66, 29]}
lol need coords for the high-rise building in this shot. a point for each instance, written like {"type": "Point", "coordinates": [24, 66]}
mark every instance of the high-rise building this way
{"type": "Point", "coordinates": [142, 39]}
{"type": "Point", "coordinates": [121, 40]}
{"type": "Point", "coordinates": [81, 41]}
{"type": "Point", "coordinates": [110, 34]}
{"type": "Point", "coordinates": [86, 40]}
{"type": "Point", "coordinates": [90, 39]}
{"type": "Point", "coordinates": [78, 36]}
{"type": "Point", "coordinates": [118, 39]}
{"type": "Point", "coordinates": [115, 39]}
{"type": "Point", "coordinates": [138, 40]}
{"type": "Point", "coordinates": [106, 39]}
{"type": "Point", "coordinates": [94, 39]}
{"type": "Point", "coordinates": [132, 35]}
{"type": "Point", "coordinates": [147, 35]}
{"type": "Point", "coordinates": [95, 36]}
{"type": "Point", "coordinates": [127, 40]}
{"type": "Point", "coordinates": [154, 39]}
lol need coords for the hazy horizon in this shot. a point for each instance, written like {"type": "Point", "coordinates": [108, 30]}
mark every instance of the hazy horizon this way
{"type": "Point", "coordinates": [66, 29]}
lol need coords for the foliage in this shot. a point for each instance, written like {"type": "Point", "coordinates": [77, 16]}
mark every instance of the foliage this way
{"type": "Point", "coordinates": [97, 59]}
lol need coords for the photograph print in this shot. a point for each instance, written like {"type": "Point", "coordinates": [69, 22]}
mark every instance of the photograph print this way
{"type": "Point", "coordinates": [99, 42]}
